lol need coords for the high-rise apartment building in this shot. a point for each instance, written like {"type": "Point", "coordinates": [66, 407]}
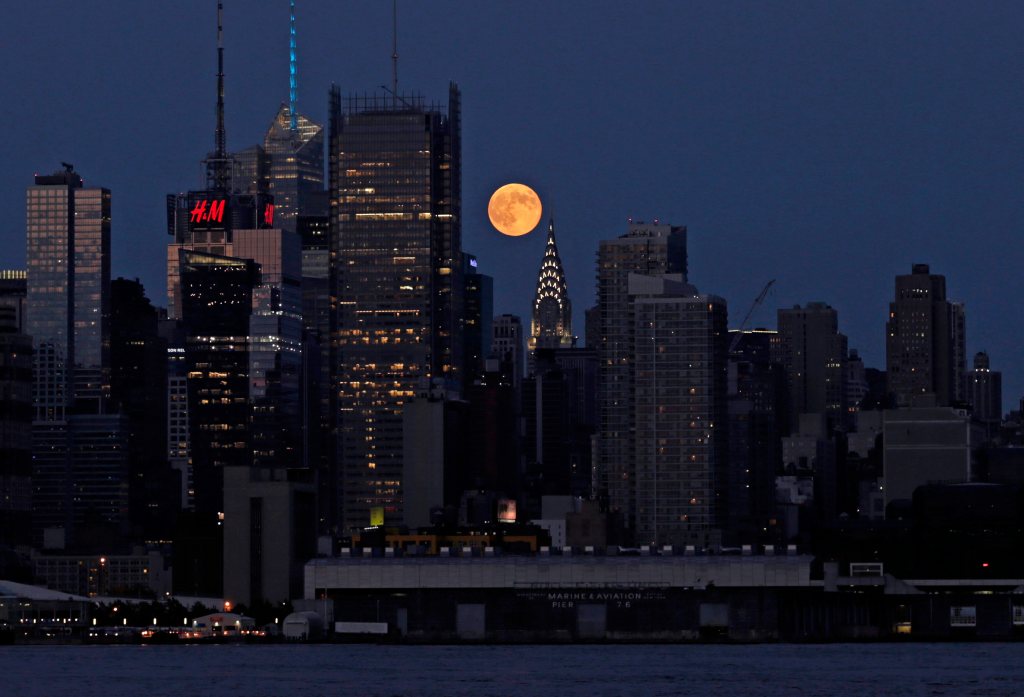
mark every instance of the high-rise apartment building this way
{"type": "Point", "coordinates": [650, 250]}
{"type": "Point", "coordinates": [813, 353]}
{"type": "Point", "coordinates": [395, 198]}
{"type": "Point", "coordinates": [662, 404]}
{"type": "Point", "coordinates": [925, 339]}
{"type": "Point", "coordinates": [680, 411]}
{"type": "Point", "coordinates": [551, 323]}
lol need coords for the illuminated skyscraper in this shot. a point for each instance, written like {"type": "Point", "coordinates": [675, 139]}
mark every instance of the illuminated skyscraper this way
{"type": "Point", "coordinates": [396, 252]}
{"type": "Point", "coordinates": [551, 325]}
{"type": "Point", "coordinates": [296, 166]}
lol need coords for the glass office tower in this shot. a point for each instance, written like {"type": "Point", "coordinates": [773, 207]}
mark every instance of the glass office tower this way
{"type": "Point", "coordinates": [295, 166]}
{"type": "Point", "coordinates": [396, 249]}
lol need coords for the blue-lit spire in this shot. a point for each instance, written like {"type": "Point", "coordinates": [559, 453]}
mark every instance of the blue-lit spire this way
{"type": "Point", "coordinates": [293, 83]}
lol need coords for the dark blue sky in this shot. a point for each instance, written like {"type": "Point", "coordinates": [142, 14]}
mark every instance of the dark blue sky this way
{"type": "Point", "coordinates": [826, 145]}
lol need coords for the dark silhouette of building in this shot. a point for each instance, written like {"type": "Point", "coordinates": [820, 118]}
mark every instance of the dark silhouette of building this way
{"type": "Point", "coordinates": [924, 337]}
{"type": "Point", "coordinates": [507, 337]}
{"type": "Point", "coordinates": [757, 414]}
{"type": "Point", "coordinates": [217, 297]}
{"type": "Point", "coordinates": [15, 432]}
{"type": "Point", "coordinates": [985, 395]}
{"type": "Point", "coordinates": [813, 353]}
{"type": "Point", "coordinates": [396, 203]}
{"type": "Point", "coordinates": [559, 408]}
{"type": "Point", "coordinates": [138, 389]}
{"type": "Point", "coordinates": [13, 291]}
{"type": "Point", "coordinates": [479, 310]}
{"type": "Point", "coordinates": [314, 231]}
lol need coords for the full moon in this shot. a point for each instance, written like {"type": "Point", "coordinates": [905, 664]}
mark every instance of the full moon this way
{"type": "Point", "coordinates": [514, 209]}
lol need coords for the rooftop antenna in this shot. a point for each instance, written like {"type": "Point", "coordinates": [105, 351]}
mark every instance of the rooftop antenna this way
{"type": "Point", "coordinates": [394, 49]}
{"type": "Point", "coordinates": [218, 172]}
{"type": "Point", "coordinates": [293, 83]}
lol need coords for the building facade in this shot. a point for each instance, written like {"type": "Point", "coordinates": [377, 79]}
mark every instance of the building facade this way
{"type": "Point", "coordinates": [646, 249]}
{"type": "Point", "coordinates": [395, 205]}
{"type": "Point", "coordinates": [924, 335]}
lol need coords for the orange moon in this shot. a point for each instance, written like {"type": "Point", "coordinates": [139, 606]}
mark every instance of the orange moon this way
{"type": "Point", "coordinates": [514, 209]}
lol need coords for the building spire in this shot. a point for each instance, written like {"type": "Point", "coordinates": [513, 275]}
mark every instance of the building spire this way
{"type": "Point", "coordinates": [293, 78]}
{"type": "Point", "coordinates": [218, 168]}
{"type": "Point", "coordinates": [394, 48]}
{"type": "Point", "coordinates": [551, 325]}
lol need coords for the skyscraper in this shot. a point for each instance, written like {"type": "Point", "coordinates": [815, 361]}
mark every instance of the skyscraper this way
{"type": "Point", "coordinates": [217, 294]}
{"type": "Point", "coordinates": [813, 353]}
{"type": "Point", "coordinates": [68, 299]}
{"type": "Point", "coordinates": [295, 154]}
{"type": "Point", "coordinates": [395, 196]}
{"type": "Point", "coordinates": [551, 324]}
{"type": "Point", "coordinates": [680, 404]}
{"type": "Point", "coordinates": [645, 249]}
{"type": "Point", "coordinates": [924, 336]}
{"type": "Point", "coordinates": [275, 346]}
{"type": "Point", "coordinates": [79, 466]}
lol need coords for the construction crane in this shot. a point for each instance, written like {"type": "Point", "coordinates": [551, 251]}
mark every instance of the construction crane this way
{"type": "Point", "coordinates": [743, 325]}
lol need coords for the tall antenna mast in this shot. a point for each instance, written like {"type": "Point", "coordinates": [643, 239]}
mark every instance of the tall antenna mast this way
{"type": "Point", "coordinates": [293, 81]}
{"type": "Point", "coordinates": [394, 50]}
{"type": "Point", "coordinates": [218, 170]}
{"type": "Point", "coordinates": [220, 146]}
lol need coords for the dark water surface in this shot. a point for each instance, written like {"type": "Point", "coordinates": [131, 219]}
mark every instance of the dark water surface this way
{"type": "Point", "coordinates": [835, 670]}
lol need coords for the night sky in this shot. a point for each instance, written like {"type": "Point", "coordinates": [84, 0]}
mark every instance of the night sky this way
{"type": "Point", "coordinates": [826, 145]}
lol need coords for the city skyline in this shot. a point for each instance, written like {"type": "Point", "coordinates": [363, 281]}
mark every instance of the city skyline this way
{"type": "Point", "coordinates": [810, 145]}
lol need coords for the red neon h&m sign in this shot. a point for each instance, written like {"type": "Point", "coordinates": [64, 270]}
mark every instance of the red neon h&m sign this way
{"type": "Point", "coordinates": [268, 214]}
{"type": "Point", "coordinates": [212, 214]}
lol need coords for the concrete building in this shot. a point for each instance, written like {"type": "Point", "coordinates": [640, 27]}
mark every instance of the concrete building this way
{"type": "Point", "coordinates": [434, 454]}
{"type": "Point", "coordinates": [924, 445]}
{"type": "Point", "coordinates": [269, 532]}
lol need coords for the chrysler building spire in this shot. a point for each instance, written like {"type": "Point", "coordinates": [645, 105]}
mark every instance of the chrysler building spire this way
{"type": "Point", "coordinates": [551, 326]}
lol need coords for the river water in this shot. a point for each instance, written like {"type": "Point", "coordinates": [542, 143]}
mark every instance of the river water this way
{"type": "Point", "coordinates": [835, 670]}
